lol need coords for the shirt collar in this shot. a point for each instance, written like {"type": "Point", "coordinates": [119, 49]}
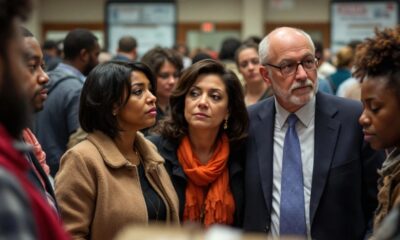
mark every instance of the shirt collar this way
{"type": "Point", "coordinates": [305, 114]}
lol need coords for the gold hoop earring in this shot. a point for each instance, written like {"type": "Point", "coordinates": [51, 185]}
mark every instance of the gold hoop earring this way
{"type": "Point", "coordinates": [226, 124]}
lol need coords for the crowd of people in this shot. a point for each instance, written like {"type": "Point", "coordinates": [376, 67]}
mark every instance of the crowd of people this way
{"type": "Point", "coordinates": [254, 139]}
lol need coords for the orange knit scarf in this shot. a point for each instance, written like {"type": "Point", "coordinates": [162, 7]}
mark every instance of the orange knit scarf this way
{"type": "Point", "coordinates": [216, 205]}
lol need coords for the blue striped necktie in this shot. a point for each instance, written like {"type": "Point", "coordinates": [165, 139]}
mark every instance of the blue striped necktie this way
{"type": "Point", "coordinates": [292, 212]}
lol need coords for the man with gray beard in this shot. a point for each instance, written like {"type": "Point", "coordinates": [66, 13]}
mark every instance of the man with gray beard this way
{"type": "Point", "coordinates": [308, 171]}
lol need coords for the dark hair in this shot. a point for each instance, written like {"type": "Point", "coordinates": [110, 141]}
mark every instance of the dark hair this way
{"type": "Point", "coordinates": [253, 39]}
{"type": "Point", "coordinates": [228, 49]}
{"type": "Point", "coordinates": [127, 43]}
{"type": "Point", "coordinates": [200, 56]}
{"type": "Point", "coordinates": [25, 32]}
{"type": "Point", "coordinates": [319, 50]}
{"type": "Point", "coordinates": [9, 11]}
{"type": "Point", "coordinates": [344, 57]}
{"type": "Point", "coordinates": [243, 47]}
{"type": "Point", "coordinates": [353, 44]}
{"type": "Point", "coordinates": [50, 44]}
{"type": "Point", "coordinates": [76, 40]}
{"type": "Point", "coordinates": [178, 46]}
{"type": "Point", "coordinates": [14, 108]}
{"type": "Point", "coordinates": [105, 88]}
{"type": "Point", "coordinates": [380, 57]}
{"type": "Point", "coordinates": [156, 57]}
{"type": "Point", "coordinates": [175, 126]}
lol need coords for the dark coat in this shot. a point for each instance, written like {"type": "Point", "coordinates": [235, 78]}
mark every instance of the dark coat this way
{"type": "Point", "coordinates": [344, 181]}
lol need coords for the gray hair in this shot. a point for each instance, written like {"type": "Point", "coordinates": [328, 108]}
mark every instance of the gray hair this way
{"type": "Point", "coordinates": [263, 47]}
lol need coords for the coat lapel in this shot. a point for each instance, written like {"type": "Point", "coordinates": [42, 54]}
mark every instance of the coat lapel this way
{"type": "Point", "coordinates": [326, 135]}
{"type": "Point", "coordinates": [169, 152]}
{"type": "Point", "coordinates": [264, 135]}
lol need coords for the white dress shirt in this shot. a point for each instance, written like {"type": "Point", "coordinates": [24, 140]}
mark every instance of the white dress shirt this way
{"type": "Point", "coordinates": [305, 131]}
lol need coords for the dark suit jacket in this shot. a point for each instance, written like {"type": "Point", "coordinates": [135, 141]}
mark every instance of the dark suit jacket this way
{"type": "Point", "coordinates": [344, 181]}
{"type": "Point", "coordinates": [168, 149]}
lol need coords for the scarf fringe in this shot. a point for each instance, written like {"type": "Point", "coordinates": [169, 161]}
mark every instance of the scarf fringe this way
{"type": "Point", "coordinates": [217, 205]}
{"type": "Point", "coordinates": [218, 212]}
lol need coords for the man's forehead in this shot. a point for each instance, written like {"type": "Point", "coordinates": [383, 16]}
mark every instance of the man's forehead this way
{"type": "Point", "coordinates": [32, 47]}
{"type": "Point", "coordinates": [290, 49]}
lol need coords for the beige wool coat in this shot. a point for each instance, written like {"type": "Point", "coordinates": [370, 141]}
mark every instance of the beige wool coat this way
{"type": "Point", "coordinates": [98, 190]}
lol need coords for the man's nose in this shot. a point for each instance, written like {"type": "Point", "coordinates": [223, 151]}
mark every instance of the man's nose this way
{"type": "Point", "coordinates": [301, 73]}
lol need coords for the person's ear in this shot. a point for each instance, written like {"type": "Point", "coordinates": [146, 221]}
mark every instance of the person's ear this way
{"type": "Point", "coordinates": [265, 75]}
{"type": "Point", "coordinates": [84, 55]}
{"type": "Point", "coordinates": [134, 54]}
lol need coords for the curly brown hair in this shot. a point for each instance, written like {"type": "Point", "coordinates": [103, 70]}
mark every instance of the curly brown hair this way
{"type": "Point", "coordinates": [156, 57]}
{"type": "Point", "coordinates": [380, 57]}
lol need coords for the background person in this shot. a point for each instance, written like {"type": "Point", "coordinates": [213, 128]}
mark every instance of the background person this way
{"type": "Point", "coordinates": [248, 64]}
{"type": "Point", "coordinates": [37, 158]}
{"type": "Point", "coordinates": [167, 65]}
{"type": "Point", "coordinates": [57, 124]}
{"type": "Point", "coordinates": [344, 62]}
{"type": "Point", "coordinates": [184, 51]}
{"type": "Point", "coordinates": [227, 55]}
{"type": "Point", "coordinates": [323, 68]}
{"type": "Point", "coordinates": [52, 54]}
{"type": "Point", "coordinates": [127, 49]}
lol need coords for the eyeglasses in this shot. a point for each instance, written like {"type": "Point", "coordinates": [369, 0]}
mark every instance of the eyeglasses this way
{"type": "Point", "coordinates": [289, 68]}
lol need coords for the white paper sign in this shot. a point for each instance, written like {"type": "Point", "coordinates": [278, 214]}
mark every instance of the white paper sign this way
{"type": "Point", "coordinates": [151, 24]}
{"type": "Point", "coordinates": [357, 20]}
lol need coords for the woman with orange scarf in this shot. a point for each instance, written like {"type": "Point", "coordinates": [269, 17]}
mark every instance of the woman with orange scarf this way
{"type": "Point", "coordinates": [200, 142]}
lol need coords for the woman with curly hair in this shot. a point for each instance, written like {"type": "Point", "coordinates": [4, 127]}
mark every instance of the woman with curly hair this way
{"type": "Point", "coordinates": [167, 65]}
{"type": "Point", "coordinates": [200, 143]}
{"type": "Point", "coordinates": [378, 66]}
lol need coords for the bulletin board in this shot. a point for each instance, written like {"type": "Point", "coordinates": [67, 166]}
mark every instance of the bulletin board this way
{"type": "Point", "coordinates": [356, 20]}
{"type": "Point", "coordinates": [152, 23]}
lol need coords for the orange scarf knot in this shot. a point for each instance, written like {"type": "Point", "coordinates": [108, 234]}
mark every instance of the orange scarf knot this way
{"type": "Point", "coordinates": [217, 205]}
